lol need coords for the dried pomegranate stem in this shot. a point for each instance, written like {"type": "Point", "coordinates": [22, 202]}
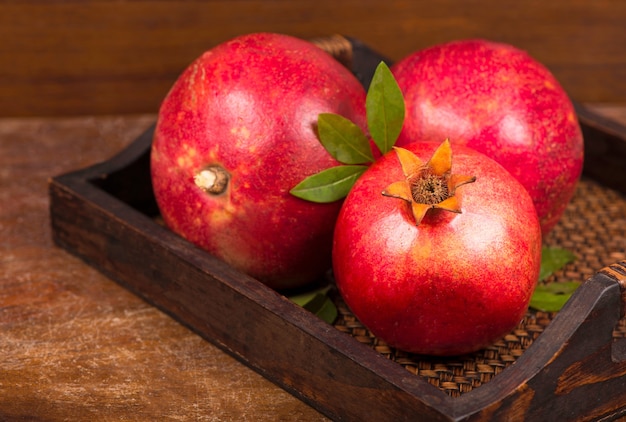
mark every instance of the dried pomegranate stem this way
{"type": "Point", "coordinates": [212, 179]}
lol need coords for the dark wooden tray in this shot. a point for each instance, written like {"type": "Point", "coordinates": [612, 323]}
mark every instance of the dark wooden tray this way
{"type": "Point", "coordinates": [574, 370]}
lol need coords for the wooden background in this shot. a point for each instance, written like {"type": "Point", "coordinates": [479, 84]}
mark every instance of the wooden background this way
{"type": "Point", "coordinates": [79, 57]}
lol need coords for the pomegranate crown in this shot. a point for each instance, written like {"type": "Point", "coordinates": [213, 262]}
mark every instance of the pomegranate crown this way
{"type": "Point", "coordinates": [429, 185]}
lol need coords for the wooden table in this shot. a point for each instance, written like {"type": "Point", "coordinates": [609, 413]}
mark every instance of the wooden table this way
{"type": "Point", "coordinates": [76, 346]}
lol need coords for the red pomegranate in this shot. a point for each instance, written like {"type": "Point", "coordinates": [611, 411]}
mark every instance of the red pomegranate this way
{"type": "Point", "coordinates": [236, 131]}
{"type": "Point", "coordinates": [500, 101]}
{"type": "Point", "coordinates": [436, 257]}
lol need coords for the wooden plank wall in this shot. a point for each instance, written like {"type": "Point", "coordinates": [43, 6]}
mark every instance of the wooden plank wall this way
{"type": "Point", "coordinates": [77, 57]}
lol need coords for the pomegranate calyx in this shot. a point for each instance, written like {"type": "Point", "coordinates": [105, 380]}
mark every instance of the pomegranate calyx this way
{"type": "Point", "coordinates": [429, 185]}
{"type": "Point", "coordinates": [212, 179]}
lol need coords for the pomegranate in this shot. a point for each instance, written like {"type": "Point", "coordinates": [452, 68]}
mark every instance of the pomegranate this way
{"type": "Point", "coordinates": [500, 101]}
{"type": "Point", "coordinates": [236, 131]}
{"type": "Point", "coordinates": [445, 260]}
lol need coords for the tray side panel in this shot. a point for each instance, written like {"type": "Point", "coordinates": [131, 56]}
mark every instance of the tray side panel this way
{"type": "Point", "coordinates": [578, 377]}
{"type": "Point", "coordinates": [605, 149]}
{"type": "Point", "coordinates": [262, 329]}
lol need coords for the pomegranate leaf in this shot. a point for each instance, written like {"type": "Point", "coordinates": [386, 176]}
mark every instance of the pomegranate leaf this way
{"type": "Point", "coordinates": [328, 311]}
{"type": "Point", "coordinates": [317, 302]}
{"type": "Point", "coordinates": [349, 145]}
{"type": "Point", "coordinates": [344, 140]}
{"type": "Point", "coordinates": [328, 185]}
{"type": "Point", "coordinates": [552, 296]}
{"type": "Point", "coordinates": [384, 106]}
{"type": "Point", "coordinates": [553, 259]}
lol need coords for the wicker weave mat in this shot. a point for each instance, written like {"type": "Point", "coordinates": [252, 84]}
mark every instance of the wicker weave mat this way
{"type": "Point", "coordinates": [593, 228]}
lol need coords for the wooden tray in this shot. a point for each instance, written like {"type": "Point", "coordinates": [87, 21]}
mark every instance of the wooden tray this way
{"type": "Point", "coordinates": [573, 369]}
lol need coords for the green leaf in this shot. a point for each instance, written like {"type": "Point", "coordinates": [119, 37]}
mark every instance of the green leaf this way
{"type": "Point", "coordinates": [318, 303]}
{"type": "Point", "coordinates": [385, 108]}
{"type": "Point", "coordinates": [553, 259]}
{"type": "Point", "coordinates": [552, 296]}
{"type": "Point", "coordinates": [344, 140]}
{"type": "Point", "coordinates": [328, 311]}
{"type": "Point", "coordinates": [301, 299]}
{"type": "Point", "coordinates": [328, 185]}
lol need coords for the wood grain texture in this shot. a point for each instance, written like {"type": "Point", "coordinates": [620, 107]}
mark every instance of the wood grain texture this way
{"type": "Point", "coordinates": [74, 344]}
{"type": "Point", "coordinates": [68, 57]}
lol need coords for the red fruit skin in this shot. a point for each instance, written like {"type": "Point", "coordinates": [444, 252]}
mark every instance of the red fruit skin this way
{"type": "Point", "coordinates": [500, 101]}
{"type": "Point", "coordinates": [250, 105]}
{"type": "Point", "coordinates": [455, 283]}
